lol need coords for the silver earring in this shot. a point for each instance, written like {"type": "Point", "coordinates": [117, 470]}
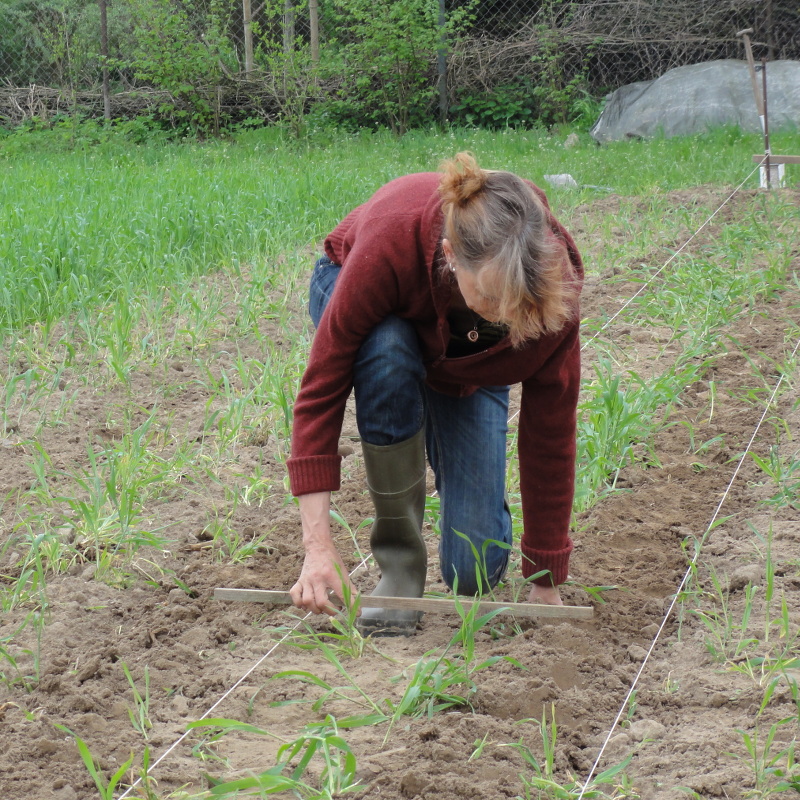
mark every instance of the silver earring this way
{"type": "Point", "coordinates": [452, 266]}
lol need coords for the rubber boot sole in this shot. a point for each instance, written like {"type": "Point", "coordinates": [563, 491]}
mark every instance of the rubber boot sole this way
{"type": "Point", "coordinates": [378, 626]}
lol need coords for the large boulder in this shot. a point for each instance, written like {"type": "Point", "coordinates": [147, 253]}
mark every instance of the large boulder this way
{"type": "Point", "coordinates": [697, 97]}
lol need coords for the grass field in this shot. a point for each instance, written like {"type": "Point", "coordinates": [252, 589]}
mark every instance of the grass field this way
{"type": "Point", "coordinates": [152, 308]}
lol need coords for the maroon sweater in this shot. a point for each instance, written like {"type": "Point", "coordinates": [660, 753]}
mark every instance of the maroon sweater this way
{"type": "Point", "coordinates": [388, 248]}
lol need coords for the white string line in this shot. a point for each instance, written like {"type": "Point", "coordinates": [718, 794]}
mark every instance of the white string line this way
{"type": "Point", "coordinates": [672, 257]}
{"type": "Point", "coordinates": [230, 691]}
{"type": "Point", "coordinates": [685, 578]}
{"type": "Point", "coordinates": [662, 268]}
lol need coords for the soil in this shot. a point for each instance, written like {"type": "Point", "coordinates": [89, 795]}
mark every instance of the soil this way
{"type": "Point", "coordinates": [205, 657]}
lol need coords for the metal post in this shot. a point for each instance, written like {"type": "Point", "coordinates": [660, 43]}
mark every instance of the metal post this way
{"type": "Point", "coordinates": [766, 119]}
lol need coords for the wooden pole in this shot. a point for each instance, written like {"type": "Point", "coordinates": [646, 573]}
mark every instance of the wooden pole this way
{"type": "Point", "coordinates": [247, 18]}
{"type": "Point", "coordinates": [288, 26]}
{"type": "Point", "coordinates": [104, 54]}
{"type": "Point", "coordinates": [770, 31]}
{"type": "Point", "coordinates": [434, 605]}
{"type": "Point", "coordinates": [441, 64]}
{"type": "Point", "coordinates": [313, 20]}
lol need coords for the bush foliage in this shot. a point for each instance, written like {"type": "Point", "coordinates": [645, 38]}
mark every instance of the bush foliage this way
{"type": "Point", "coordinates": [200, 65]}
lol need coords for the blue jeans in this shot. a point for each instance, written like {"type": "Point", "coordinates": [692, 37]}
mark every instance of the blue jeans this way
{"type": "Point", "coordinates": [465, 439]}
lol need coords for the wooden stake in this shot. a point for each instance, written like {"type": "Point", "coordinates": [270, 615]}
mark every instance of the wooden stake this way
{"type": "Point", "coordinates": [433, 605]}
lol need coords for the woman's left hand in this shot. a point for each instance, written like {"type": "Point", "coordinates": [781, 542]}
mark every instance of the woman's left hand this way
{"type": "Point", "coordinates": [545, 595]}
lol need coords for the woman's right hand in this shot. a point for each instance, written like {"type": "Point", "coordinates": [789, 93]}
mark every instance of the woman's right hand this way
{"type": "Point", "coordinates": [318, 577]}
{"type": "Point", "coordinates": [323, 569]}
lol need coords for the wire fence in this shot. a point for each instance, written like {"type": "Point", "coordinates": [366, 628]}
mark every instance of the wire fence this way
{"type": "Point", "coordinates": [245, 52]}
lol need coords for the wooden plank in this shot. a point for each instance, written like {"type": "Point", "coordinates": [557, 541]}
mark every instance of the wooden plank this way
{"type": "Point", "coordinates": [773, 159]}
{"type": "Point", "coordinates": [434, 605]}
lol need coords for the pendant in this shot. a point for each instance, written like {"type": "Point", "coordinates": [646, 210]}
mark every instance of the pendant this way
{"type": "Point", "coordinates": [473, 335]}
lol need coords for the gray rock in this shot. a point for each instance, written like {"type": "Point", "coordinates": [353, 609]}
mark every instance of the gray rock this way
{"type": "Point", "coordinates": [697, 97]}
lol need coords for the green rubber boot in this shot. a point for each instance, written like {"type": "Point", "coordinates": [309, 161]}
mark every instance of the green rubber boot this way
{"type": "Point", "coordinates": [396, 482]}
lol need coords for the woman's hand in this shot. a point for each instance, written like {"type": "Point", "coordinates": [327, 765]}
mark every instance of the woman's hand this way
{"type": "Point", "coordinates": [546, 595]}
{"type": "Point", "coordinates": [323, 569]}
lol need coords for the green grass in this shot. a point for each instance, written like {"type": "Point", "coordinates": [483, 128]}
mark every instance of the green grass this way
{"type": "Point", "coordinates": [89, 223]}
{"type": "Point", "coordinates": [121, 259]}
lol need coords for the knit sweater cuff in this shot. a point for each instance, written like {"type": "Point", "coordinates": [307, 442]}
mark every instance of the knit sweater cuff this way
{"type": "Point", "coordinates": [310, 474]}
{"type": "Point", "coordinates": [556, 562]}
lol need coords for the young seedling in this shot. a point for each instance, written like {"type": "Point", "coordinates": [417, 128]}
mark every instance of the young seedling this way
{"type": "Point", "coordinates": [106, 788]}
{"type": "Point", "coordinates": [544, 783]}
{"type": "Point", "coordinates": [321, 741]}
{"type": "Point", "coordinates": [774, 768]}
{"type": "Point", "coordinates": [140, 714]}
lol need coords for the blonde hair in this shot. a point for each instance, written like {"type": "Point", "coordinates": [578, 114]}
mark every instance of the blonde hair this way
{"type": "Point", "coordinates": [495, 219]}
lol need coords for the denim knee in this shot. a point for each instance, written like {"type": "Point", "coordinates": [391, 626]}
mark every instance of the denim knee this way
{"type": "Point", "coordinates": [387, 379]}
{"type": "Point", "coordinates": [323, 281]}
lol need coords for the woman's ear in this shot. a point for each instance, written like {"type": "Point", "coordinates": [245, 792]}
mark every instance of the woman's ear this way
{"type": "Point", "coordinates": [447, 250]}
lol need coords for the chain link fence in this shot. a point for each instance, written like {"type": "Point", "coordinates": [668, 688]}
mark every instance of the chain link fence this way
{"type": "Point", "coordinates": [265, 55]}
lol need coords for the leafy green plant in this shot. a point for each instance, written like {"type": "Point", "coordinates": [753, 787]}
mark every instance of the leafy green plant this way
{"type": "Point", "coordinates": [387, 63]}
{"type": "Point", "coordinates": [169, 54]}
{"type": "Point", "coordinates": [108, 518]}
{"type": "Point", "coordinates": [502, 107]}
{"type": "Point", "coordinates": [560, 98]}
{"type": "Point", "coordinates": [350, 691]}
{"type": "Point", "coordinates": [337, 517]}
{"type": "Point", "coordinates": [288, 73]}
{"type": "Point", "coordinates": [438, 681]}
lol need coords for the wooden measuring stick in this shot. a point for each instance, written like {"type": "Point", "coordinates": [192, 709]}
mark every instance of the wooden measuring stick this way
{"type": "Point", "coordinates": [773, 159]}
{"type": "Point", "coordinates": [434, 605]}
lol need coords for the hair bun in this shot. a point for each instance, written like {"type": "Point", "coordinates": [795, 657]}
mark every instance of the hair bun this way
{"type": "Point", "coordinates": [462, 179]}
